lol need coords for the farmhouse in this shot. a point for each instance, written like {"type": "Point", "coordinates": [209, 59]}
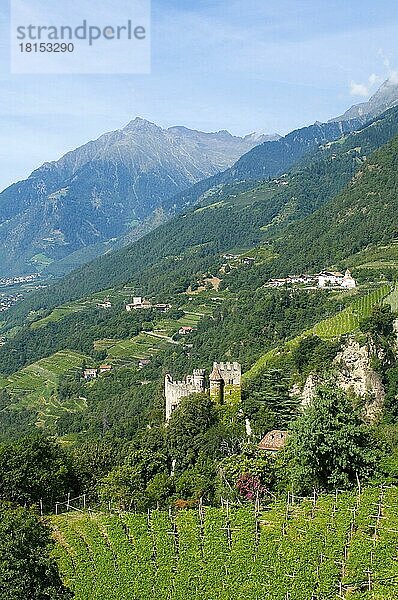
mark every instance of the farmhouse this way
{"type": "Point", "coordinates": [105, 368]}
{"type": "Point", "coordinates": [248, 260]}
{"type": "Point", "coordinates": [89, 374]}
{"type": "Point", "coordinates": [185, 330]}
{"type": "Point", "coordinates": [273, 441]}
{"type": "Point", "coordinates": [230, 256]}
{"type": "Point", "coordinates": [330, 278]}
{"type": "Point", "coordinates": [291, 280]}
{"type": "Point", "coordinates": [105, 304]}
{"type": "Point", "coordinates": [162, 307]}
{"type": "Point", "coordinates": [138, 303]}
{"type": "Point", "coordinates": [333, 278]}
{"type": "Point", "coordinates": [143, 363]}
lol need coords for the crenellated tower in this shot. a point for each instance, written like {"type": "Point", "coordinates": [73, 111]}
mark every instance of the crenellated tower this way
{"type": "Point", "coordinates": [224, 386]}
{"type": "Point", "coordinates": [225, 382]}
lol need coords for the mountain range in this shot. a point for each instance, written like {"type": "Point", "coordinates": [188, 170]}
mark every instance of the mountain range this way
{"type": "Point", "coordinates": [286, 216]}
{"type": "Point", "coordinates": [105, 189]}
{"type": "Point", "coordinates": [113, 190]}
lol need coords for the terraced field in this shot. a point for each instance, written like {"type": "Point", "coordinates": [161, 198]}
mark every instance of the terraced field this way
{"type": "Point", "coordinates": [34, 387]}
{"type": "Point", "coordinates": [348, 319]}
{"type": "Point", "coordinates": [190, 319]}
{"type": "Point", "coordinates": [141, 346]}
{"type": "Point", "coordinates": [147, 344]}
{"type": "Point", "coordinates": [63, 311]}
{"type": "Point", "coordinates": [36, 376]}
{"type": "Point", "coordinates": [377, 259]}
{"type": "Point", "coordinates": [341, 546]}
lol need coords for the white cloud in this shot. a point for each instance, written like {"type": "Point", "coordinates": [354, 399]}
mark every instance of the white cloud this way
{"type": "Point", "coordinates": [359, 89]}
{"type": "Point", "coordinates": [393, 77]}
{"type": "Point", "coordinates": [365, 89]}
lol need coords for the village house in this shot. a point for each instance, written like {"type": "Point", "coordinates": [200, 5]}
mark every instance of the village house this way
{"type": "Point", "coordinates": [105, 304]}
{"type": "Point", "coordinates": [247, 260]}
{"type": "Point", "coordinates": [138, 303]}
{"type": "Point", "coordinates": [291, 280]}
{"type": "Point", "coordinates": [336, 279]}
{"type": "Point", "coordinates": [143, 363]}
{"type": "Point", "coordinates": [162, 307]}
{"type": "Point", "coordinates": [185, 330]}
{"type": "Point", "coordinates": [230, 256]}
{"type": "Point", "coordinates": [89, 374]}
{"type": "Point", "coordinates": [330, 278]}
{"type": "Point", "coordinates": [273, 441]}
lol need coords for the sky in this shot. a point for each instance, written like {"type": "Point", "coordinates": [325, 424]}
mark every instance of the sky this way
{"type": "Point", "coordinates": [240, 65]}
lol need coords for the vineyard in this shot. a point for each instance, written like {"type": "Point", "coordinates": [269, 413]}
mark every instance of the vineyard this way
{"type": "Point", "coordinates": [338, 546]}
{"type": "Point", "coordinates": [34, 378]}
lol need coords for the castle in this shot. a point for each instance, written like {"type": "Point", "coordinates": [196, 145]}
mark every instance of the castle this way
{"type": "Point", "coordinates": [224, 385]}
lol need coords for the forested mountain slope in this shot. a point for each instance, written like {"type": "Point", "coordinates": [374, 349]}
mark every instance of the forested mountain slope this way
{"type": "Point", "coordinates": [230, 218]}
{"type": "Point", "coordinates": [363, 213]}
{"type": "Point", "coordinates": [273, 158]}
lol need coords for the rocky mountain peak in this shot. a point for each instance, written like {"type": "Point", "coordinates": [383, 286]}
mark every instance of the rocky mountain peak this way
{"type": "Point", "coordinates": [384, 98]}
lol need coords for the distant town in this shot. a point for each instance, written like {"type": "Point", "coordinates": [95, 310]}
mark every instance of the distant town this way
{"type": "Point", "coordinates": [9, 299]}
{"type": "Point", "coordinates": [10, 281]}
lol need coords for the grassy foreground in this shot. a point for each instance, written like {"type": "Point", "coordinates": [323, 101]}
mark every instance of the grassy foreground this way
{"type": "Point", "coordinates": [339, 546]}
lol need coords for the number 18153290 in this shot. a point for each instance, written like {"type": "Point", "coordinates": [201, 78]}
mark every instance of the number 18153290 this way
{"type": "Point", "coordinates": [46, 47]}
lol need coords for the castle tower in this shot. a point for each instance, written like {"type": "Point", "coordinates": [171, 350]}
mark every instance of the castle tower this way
{"type": "Point", "coordinates": [225, 386]}
{"type": "Point", "coordinates": [216, 385]}
{"type": "Point", "coordinates": [231, 375]}
{"type": "Point", "coordinates": [199, 379]}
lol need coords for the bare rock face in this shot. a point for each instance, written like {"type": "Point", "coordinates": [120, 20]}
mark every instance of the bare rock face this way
{"type": "Point", "coordinates": [353, 373]}
{"type": "Point", "coordinates": [307, 393]}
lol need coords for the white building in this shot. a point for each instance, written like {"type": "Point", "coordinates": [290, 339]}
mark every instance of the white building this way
{"type": "Point", "coordinates": [330, 278]}
{"type": "Point", "coordinates": [348, 282]}
{"type": "Point", "coordinates": [138, 304]}
{"type": "Point", "coordinates": [336, 279]}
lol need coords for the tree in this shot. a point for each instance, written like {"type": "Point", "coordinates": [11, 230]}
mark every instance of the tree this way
{"type": "Point", "coordinates": [197, 482]}
{"type": "Point", "coordinates": [159, 491]}
{"type": "Point", "coordinates": [330, 446]}
{"type": "Point", "coordinates": [250, 474]}
{"type": "Point", "coordinates": [187, 428]}
{"type": "Point", "coordinates": [35, 468]}
{"type": "Point", "coordinates": [125, 487]}
{"type": "Point", "coordinates": [379, 327]}
{"type": "Point", "coordinates": [27, 570]}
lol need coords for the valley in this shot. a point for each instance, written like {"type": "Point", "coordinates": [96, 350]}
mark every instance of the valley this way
{"type": "Point", "coordinates": [256, 300]}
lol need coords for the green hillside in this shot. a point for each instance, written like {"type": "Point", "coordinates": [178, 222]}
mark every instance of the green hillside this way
{"type": "Point", "coordinates": [35, 377]}
{"type": "Point", "coordinates": [363, 214]}
{"type": "Point", "coordinates": [166, 259]}
{"type": "Point", "coordinates": [342, 323]}
{"type": "Point", "coordinates": [339, 546]}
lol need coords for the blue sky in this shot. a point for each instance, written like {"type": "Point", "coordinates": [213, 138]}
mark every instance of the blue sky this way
{"type": "Point", "coordinates": [241, 65]}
